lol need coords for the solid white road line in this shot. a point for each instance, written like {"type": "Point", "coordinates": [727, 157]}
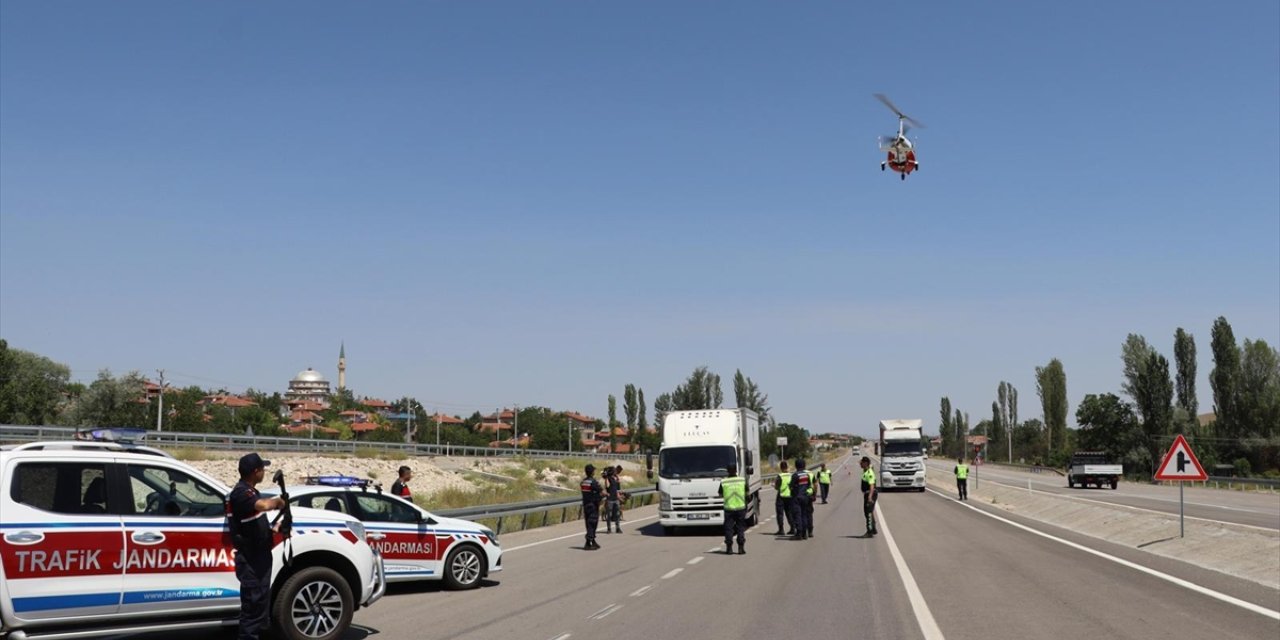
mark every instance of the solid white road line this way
{"type": "Point", "coordinates": [1126, 506]}
{"type": "Point", "coordinates": [928, 626]}
{"type": "Point", "coordinates": [1217, 595]}
{"type": "Point", "coordinates": [695, 560]}
{"type": "Point", "coordinates": [641, 591]}
{"type": "Point", "coordinates": [672, 573]}
{"type": "Point", "coordinates": [572, 535]}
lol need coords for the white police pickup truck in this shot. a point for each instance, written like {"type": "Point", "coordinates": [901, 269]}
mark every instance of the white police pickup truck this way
{"type": "Point", "coordinates": [102, 538]}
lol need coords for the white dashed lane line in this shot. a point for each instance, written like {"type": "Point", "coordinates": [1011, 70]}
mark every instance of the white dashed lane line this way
{"type": "Point", "coordinates": [695, 560]}
{"type": "Point", "coordinates": [672, 573]}
{"type": "Point", "coordinates": [601, 614]}
{"type": "Point", "coordinates": [641, 591]}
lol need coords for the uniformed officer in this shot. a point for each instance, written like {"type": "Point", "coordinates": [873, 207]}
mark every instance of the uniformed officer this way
{"type": "Point", "coordinates": [824, 481]}
{"type": "Point", "coordinates": [869, 495]}
{"type": "Point", "coordinates": [962, 479]}
{"type": "Point", "coordinates": [612, 500]}
{"type": "Point", "coordinates": [591, 494]}
{"type": "Point", "coordinates": [782, 484]}
{"type": "Point", "coordinates": [802, 502]}
{"type": "Point", "coordinates": [733, 488]}
{"type": "Point", "coordinates": [251, 536]}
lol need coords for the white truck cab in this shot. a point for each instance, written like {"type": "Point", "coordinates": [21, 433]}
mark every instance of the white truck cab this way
{"type": "Point", "coordinates": [104, 538]}
{"type": "Point", "coordinates": [902, 455]}
{"type": "Point", "coordinates": [697, 449]}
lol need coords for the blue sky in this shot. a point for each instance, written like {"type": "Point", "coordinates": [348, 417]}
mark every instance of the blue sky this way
{"type": "Point", "coordinates": [537, 203]}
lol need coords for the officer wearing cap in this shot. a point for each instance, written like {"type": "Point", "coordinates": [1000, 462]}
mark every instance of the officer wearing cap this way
{"type": "Point", "coordinates": [591, 494]}
{"type": "Point", "coordinates": [868, 495]}
{"type": "Point", "coordinates": [251, 536]}
{"type": "Point", "coordinates": [802, 502]}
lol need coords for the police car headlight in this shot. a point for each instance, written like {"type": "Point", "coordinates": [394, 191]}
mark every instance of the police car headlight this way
{"type": "Point", "coordinates": [664, 501]}
{"type": "Point", "coordinates": [492, 536]}
{"type": "Point", "coordinates": [356, 528]}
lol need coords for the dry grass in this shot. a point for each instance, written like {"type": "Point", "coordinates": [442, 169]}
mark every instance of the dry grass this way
{"type": "Point", "coordinates": [190, 454]}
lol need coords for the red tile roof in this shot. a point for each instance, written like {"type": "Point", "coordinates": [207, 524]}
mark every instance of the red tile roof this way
{"type": "Point", "coordinates": [304, 416]}
{"type": "Point", "coordinates": [362, 427]}
{"type": "Point", "coordinates": [374, 403]}
{"type": "Point", "coordinates": [578, 417]}
{"type": "Point", "coordinates": [306, 405]}
{"type": "Point", "coordinates": [443, 419]}
{"type": "Point", "coordinates": [227, 400]}
{"type": "Point", "coordinates": [493, 427]}
{"type": "Point", "coordinates": [351, 413]}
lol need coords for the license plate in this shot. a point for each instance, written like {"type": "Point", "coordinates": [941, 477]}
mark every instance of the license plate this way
{"type": "Point", "coordinates": [699, 516]}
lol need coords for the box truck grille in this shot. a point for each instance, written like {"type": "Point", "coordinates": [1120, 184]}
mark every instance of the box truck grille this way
{"type": "Point", "coordinates": [696, 504]}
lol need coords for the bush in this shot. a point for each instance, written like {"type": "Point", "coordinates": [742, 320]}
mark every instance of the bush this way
{"type": "Point", "coordinates": [1243, 468]}
{"type": "Point", "coordinates": [190, 454]}
{"type": "Point", "coordinates": [366, 453]}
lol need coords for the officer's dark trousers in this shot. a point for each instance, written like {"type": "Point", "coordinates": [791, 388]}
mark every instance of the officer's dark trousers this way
{"type": "Point", "coordinates": [962, 488]}
{"type": "Point", "coordinates": [255, 594]}
{"type": "Point", "coordinates": [783, 508]}
{"type": "Point", "coordinates": [591, 515]}
{"type": "Point", "coordinates": [806, 507]}
{"type": "Point", "coordinates": [612, 511]}
{"type": "Point", "coordinates": [802, 514]}
{"type": "Point", "coordinates": [826, 488]}
{"type": "Point", "coordinates": [869, 510]}
{"type": "Point", "coordinates": [735, 523]}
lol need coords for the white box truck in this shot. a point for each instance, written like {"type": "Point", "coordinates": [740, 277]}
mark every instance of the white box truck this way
{"type": "Point", "coordinates": [697, 449]}
{"type": "Point", "coordinates": [901, 455]}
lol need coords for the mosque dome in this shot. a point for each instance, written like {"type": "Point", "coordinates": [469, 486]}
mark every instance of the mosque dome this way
{"type": "Point", "coordinates": [310, 375]}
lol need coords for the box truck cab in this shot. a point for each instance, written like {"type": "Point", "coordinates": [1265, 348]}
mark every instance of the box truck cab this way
{"type": "Point", "coordinates": [697, 449]}
{"type": "Point", "coordinates": [901, 455]}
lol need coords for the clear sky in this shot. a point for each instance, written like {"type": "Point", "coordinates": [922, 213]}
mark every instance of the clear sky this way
{"type": "Point", "coordinates": [537, 203]}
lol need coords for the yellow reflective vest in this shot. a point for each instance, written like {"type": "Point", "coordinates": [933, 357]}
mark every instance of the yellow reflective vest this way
{"type": "Point", "coordinates": [784, 485]}
{"type": "Point", "coordinates": [734, 491]}
{"type": "Point", "coordinates": [962, 472]}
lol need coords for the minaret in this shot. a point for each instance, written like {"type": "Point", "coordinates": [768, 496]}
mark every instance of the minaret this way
{"type": "Point", "coordinates": [342, 366]}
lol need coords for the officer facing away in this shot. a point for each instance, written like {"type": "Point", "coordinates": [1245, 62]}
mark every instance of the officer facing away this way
{"type": "Point", "coordinates": [251, 536]}
{"type": "Point", "coordinates": [824, 481]}
{"type": "Point", "coordinates": [401, 486]}
{"type": "Point", "coordinates": [782, 484]}
{"type": "Point", "coordinates": [612, 500]}
{"type": "Point", "coordinates": [869, 495]}
{"type": "Point", "coordinates": [962, 479]}
{"type": "Point", "coordinates": [733, 488]}
{"type": "Point", "coordinates": [591, 494]}
{"type": "Point", "coordinates": [802, 502]}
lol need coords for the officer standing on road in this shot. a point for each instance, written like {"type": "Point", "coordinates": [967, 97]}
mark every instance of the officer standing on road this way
{"type": "Point", "coordinates": [612, 507]}
{"type": "Point", "coordinates": [782, 485]}
{"type": "Point", "coordinates": [962, 479]}
{"type": "Point", "coordinates": [733, 488]}
{"type": "Point", "coordinates": [869, 495]}
{"type": "Point", "coordinates": [802, 502]}
{"type": "Point", "coordinates": [824, 481]}
{"type": "Point", "coordinates": [591, 494]}
{"type": "Point", "coordinates": [401, 486]}
{"type": "Point", "coordinates": [251, 536]}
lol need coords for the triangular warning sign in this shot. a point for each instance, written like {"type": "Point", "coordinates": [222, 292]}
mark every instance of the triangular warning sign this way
{"type": "Point", "coordinates": [1180, 463]}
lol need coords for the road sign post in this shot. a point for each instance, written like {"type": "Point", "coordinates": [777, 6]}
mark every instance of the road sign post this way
{"type": "Point", "coordinates": [1181, 465]}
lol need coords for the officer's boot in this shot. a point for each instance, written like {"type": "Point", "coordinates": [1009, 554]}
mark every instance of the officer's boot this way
{"type": "Point", "coordinates": [742, 549]}
{"type": "Point", "coordinates": [728, 547]}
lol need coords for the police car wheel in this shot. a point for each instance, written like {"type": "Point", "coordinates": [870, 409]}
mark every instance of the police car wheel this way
{"type": "Point", "coordinates": [463, 568]}
{"type": "Point", "coordinates": [314, 604]}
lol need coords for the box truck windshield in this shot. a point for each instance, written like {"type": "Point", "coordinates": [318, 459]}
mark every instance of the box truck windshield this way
{"type": "Point", "coordinates": [696, 462]}
{"type": "Point", "coordinates": [902, 449]}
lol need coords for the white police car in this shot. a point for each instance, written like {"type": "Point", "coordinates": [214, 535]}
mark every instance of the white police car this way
{"type": "Point", "coordinates": [102, 538]}
{"type": "Point", "coordinates": [415, 544]}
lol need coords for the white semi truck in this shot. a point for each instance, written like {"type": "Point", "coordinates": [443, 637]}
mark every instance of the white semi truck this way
{"type": "Point", "coordinates": [901, 455]}
{"type": "Point", "coordinates": [697, 449]}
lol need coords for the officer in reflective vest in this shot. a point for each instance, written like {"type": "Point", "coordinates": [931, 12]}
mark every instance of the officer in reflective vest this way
{"type": "Point", "coordinates": [734, 491]}
{"type": "Point", "coordinates": [802, 502]}
{"type": "Point", "coordinates": [962, 479]}
{"type": "Point", "coordinates": [824, 481]}
{"type": "Point", "coordinates": [591, 494]}
{"type": "Point", "coordinates": [868, 495]}
{"type": "Point", "coordinates": [782, 504]}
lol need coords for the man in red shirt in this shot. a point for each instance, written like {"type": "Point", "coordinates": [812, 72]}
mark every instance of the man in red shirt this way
{"type": "Point", "coordinates": [401, 486]}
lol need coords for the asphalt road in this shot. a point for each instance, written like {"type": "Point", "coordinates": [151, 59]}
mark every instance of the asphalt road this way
{"type": "Point", "coordinates": [972, 575]}
{"type": "Point", "coordinates": [1252, 508]}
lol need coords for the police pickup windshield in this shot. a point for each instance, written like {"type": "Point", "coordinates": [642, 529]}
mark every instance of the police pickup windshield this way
{"type": "Point", "coordinates": [696, 462]}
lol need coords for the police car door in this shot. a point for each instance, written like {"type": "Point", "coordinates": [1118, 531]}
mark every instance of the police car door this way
{"type": "Point", "coordinates": [61, 539]}
{"type": "Point", "coordinates": [408, 544]}
{"type": "Point", "coordinates": [178, 555]}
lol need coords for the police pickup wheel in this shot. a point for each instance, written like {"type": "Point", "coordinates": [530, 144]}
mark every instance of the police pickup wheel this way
{"type": "Point", "coordinates": [463, 568]}
{"type": "Point", "coordinates": [313, 604]}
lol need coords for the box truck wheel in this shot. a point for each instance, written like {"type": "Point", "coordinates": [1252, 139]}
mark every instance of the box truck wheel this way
{"type": "Point", "coordinates": [754, 511]}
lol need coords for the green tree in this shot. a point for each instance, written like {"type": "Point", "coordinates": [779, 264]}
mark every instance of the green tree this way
{"type": "Point", "coordinates": [31, 387]}
{"type": "Point", "coordinates": [1258, 406]}
{"type": "Point", "coordinates": [1051, 385]}
{"type": "Point", "coordinates": [997, 447]}
{"type": "Point", "coordinates": [797, 442]}
{"type": "Point", "coordinates": [661, 407]}
{"type": "Point", "coordinates": [1184, 355]}
{"type": "Point", "coordinates": [1134, 353]}
{"type": "Point", "coordinates": [111, 402]}
{"type": "Point", "coordinates": [1224, 379]}
{"type": "Point", "coordinates": [631, 410]}
{"type": "Point", "coordinates": [183, 410]}
{"type": "Point", "coordinates": [945, 430]}
{"type": "Point", "coordinates": [747, 395]}
{"type": "Point", "coordinates": [1109, 424]}
{"type": "Point", "coordinates": [613, 422]}
{"type": "Point", "coordinates": [961, 424]}
{"type": "Point", "coordinates": [642, 420]}
{"type": "Point", "coordinates": [1007, 396]}
{"type": "Point", "coordinates": [701, 390]}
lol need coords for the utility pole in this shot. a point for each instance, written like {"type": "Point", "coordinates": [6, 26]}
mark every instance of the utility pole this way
{"type": "Point", "coordinates": [408, 430]}
{"type": "Point", "coordinates": [438, 417]}
{"type": "Point", "coordinates": [160, 412]}
{"type": "Point", "coordinates": [568, 441]}
{"type": "Point", "coordinates": [515, 428]}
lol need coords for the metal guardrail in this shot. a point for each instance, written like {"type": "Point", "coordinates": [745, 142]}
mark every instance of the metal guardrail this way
{"type": "Point", "coordinates": [1230, 482]}
{"type": "Point", "coordinates": [224, 441]}
{"type": "Point", "coordinates": [1030, 468]}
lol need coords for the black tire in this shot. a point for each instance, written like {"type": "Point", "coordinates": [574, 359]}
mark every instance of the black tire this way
{"type": "Point", "coordinates": [463, 567]}
{"type": "Point", "coordinates": [755, 512]}
{"type": "Point", "coordinates": [1071, 484]}
{"type": "Point", "coordinates": [1114, 483]}
{"type": "Point", "coordinates": [313, 604]}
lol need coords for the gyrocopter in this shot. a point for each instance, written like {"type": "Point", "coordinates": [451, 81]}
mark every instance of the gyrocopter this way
{"type": "Point", "coordinates": [902, 155]}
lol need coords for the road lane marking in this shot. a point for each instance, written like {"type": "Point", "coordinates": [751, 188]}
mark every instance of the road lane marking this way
{"type": "Point", "coordinates": [672, 573]}
{"type": "Point", "coordinates": [572, 535]}
{"type": "Point", "coordinates": [603, 613]}
{"type": "Point", "coordinates": [1217, 595]}
{"type": "Point", "coordinates": [1128, 506]}
{"type": "Point", "coordinates": [563, 636]}
{"type": "Point", "coordinates": [928, 626]}
{"type": "Point", "coordinates": [715, 548]}
{"type": "Point", "coordinates": [641, 591]}
{"type": "Point", "coordinates": [695, 560]}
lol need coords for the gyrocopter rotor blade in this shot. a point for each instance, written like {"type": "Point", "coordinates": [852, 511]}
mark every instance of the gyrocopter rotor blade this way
{"type": "Point", "coordinates": [906, 118]}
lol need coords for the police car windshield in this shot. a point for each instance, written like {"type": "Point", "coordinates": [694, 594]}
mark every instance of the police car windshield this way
{"type": "Point", "coordinates": [696, 462]}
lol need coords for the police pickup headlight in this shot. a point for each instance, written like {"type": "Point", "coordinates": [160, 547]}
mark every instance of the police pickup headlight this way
{"type": "Point", "coordinates": [492, 536]}
{"type": "Point", "coordinates": [664, 501]}
{"type": "Point", "coordinates": [356, 528]}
